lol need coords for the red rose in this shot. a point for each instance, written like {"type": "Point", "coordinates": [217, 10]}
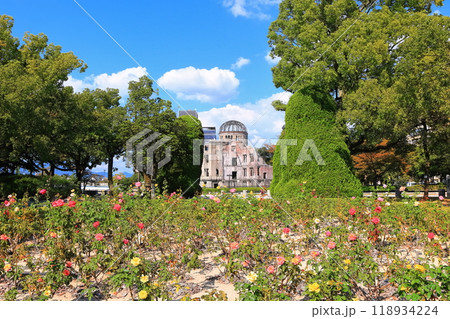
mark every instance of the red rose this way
{"type": "Point", "coordinates": [43, 191]}
{"type": "Point", "coordinates": [352, 211]}
{"type": "Point", "coordinates": [286, 230]}
{"type": "Point", "coordinates": [141, 225]}
{"type": "Point", "coordinates": [99, 237]}
{"type": "Point", "coordinates": [66, 272]}
{"type": "Point", "coordinates": [117, 207]}
{"type": "Point", "coordinates": [430, 235]}
{"type": "Point", "coordinates": [375, 220]}
{"type": "Point", "coordinates": [96, 224]}
{"type": "Point", "coordinates": [378, 209]}
{"type": "Point", "coordinates": [72, 203]}
{"type": "Point", "coordinates": [126, 241]}
{"type": "Point", "coordinates": [68, 264]}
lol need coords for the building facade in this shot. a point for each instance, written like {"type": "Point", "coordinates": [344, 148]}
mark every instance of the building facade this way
{"type": "Point", "coordinates": [231, 162]}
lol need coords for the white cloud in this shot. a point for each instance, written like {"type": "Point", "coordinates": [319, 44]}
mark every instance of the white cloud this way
{"type": "Point", "coordinates": [208, 86]}
{"type": "Point", "coordinates": [117, 80]}
{"type": "Point", "coordinates": [240, 63]}
{"type": "Point", "coordinates": [261, 119]}
{"type": "Point", "coordinates": [271, 60]}
{"type": "Point", "coordinates": [436, 12]}
{"type": "Point", "coordinates": [250, 8]}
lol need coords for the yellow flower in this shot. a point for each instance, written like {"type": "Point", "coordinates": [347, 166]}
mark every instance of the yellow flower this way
{"type": "Point", "coordinates": [355, 299]}
{"type": "Point", "coordinates": [155, 284]}
{"type": "Point", "coordinates": [347, 261]}
{"type": "Point", "coordinates": [345, 267]}
{"type": "Point", "coordinates": [143, 294]}
{"type": "Point", "coordinates": [135, 261]}
{"type": "Point", "coordinates": [330, 282]}
{"type": "Point", "coordinates": [251, 277]}
{"type": "Point", "coordinates": [408, 266]}
{"type": "Point", "coordinates": [47, 293]}
{"type": "Point", "coordinates": [7, 267]}
{"type": "Point", "coordinates": [403, 288]}
{"type": "Point", "coordinates": [314, 287]}
{"type": "Point", "coordinates": [72, 191]}
{"type": "Point", "coordinates": [419, 268]}
{"type": "Point", "coordinates": [144, 279]}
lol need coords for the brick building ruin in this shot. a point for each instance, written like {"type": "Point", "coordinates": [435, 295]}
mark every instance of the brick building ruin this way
{"type": "Point", "coordinates": [231, 162]}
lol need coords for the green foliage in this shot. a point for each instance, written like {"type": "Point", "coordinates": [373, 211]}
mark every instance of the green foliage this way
{"type": "Point", "coordinates": [29, 185]}
{"type": "Point", "coordinates": [311, 118]}
{"type": "Point", "coordinates": [386, 66]}
{"type": "Point", "coordinates": [181, 173]}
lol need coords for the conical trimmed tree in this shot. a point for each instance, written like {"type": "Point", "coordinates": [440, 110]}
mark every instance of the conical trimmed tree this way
{"type": "Point", "coordinates": [312, 150]}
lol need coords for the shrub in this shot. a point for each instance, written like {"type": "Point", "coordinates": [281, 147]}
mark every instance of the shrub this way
{"type": "Point", "coordinates": [311, 117]}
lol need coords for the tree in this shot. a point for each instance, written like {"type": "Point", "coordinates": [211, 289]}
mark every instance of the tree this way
{"type": "Point", "coordinates": [372, 167]}
{"type": "Point", "coordinates": [82, 147]}
{"type": "Point", "coordinates": [314, 151]}
{"type": "Point", "coordinates": [114, 125]}
{"type": "Point", "coordinates": [182, 173]}
{"type": "Point", "coordinates": [33, 100]}
{"type": "Point", "coordinates": [266, 152]}
{"type": "Point", "coordinates": [146, 111]}
{"type": "Point", "coordinates": [385, 66]}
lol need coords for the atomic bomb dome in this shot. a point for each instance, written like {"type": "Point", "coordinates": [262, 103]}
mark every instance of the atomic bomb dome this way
{"type": "Point", "coordinates": [233, 130]}
{"type": "Point", "coordinates": [231, 162]}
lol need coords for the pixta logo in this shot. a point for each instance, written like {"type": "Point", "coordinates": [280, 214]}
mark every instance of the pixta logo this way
{"type": "Point", "coordinates": [144, 149]}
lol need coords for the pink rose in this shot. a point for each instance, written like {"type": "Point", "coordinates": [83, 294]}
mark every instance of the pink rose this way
{"type": "Point", "coordinates": [3, 237]}
{"type": "Point", "coordinates": [233, 190]}
{"type": "Point", "coordinates": [126, 241]}
{"type": "Point", "coordinates": [331, 245]}
{"type": "Point", "coordinates": [99, 237]}
{"type": "Point", "coordinates": [234, 245]}
{"type": "Point", "coordinates": [280, 260]}
{"type": "Point", "coordinates": [441, 197]}
{"type": "Point", "coordinates": [7, 203]}
{"type": "Point", "coordinates": [286, 230]}
{"type": "Point", "coordinates": [245, 263]}
{"type": "Point", "coordinates": [352, 237]}
{"type": "Point", "coordinates": [430, 235]}
{"type": "Point", "coordinates": [43, 191]}
{"type": "Point", "coordinates": [328, 233]}
{"type": "Point", "coordinates": [138, 184]}
{"type": "Point", "coordinates": [270, 269]}
{"type": "Point", "coordinates": [96, 224]}
{"type": "Point", "coordinates": [117, 207]}
{"type": "Point", "coordinates": [375, 220]}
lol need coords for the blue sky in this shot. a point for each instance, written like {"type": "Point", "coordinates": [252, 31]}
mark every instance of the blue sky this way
{"type": "Point", "coordinates": [209, 55]}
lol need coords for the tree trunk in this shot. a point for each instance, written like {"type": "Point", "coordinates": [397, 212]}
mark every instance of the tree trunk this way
{"type": "Point", "coordinates": [426, 153]}
{"type": "Point", "coordinates": [110, 172]}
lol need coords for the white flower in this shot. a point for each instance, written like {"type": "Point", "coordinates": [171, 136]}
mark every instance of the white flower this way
{"type": "Point", "coordinates": [317, 220]}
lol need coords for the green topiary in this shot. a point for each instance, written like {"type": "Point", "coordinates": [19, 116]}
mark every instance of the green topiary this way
{"type": "Point", "coordinates": [310, 122]}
